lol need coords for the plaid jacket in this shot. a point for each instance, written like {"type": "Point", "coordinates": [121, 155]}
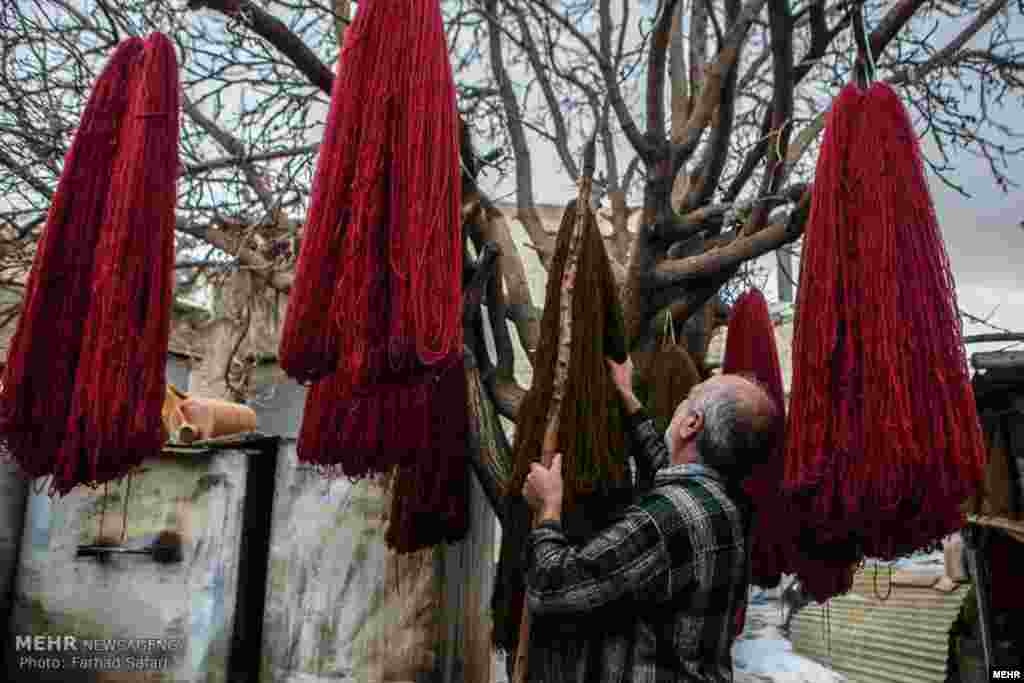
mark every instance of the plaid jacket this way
{"type": "Point", "coordinates": [665, 579]}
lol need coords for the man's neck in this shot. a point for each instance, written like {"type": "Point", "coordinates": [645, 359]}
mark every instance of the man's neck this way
{"type": "Point", "coordinates": [686, 455]}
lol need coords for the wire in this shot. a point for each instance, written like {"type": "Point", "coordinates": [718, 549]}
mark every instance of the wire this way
{"type": "Point", "coordinates": [866, 60]}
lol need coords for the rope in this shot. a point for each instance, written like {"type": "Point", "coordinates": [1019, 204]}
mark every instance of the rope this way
{"type": "Point", "coordinates": [828, 629]}
{"type": "Point", "coordinates": [45, 483]}
{"type": "Point", "coordinates": [877, 594]}
{"type": "Point", "coordinates": [124, 517]}
{"type": "Point", "coordinates": [103, 511]}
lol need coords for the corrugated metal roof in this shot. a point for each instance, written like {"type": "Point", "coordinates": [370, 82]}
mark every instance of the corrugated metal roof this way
{"type": "Point", "coordinates": [902, 639]}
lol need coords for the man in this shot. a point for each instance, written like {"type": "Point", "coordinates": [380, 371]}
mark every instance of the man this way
{"type": "Point", "coordinates": [674, 568]}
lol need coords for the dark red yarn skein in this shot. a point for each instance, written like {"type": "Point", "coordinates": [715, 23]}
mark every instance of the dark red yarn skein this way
{"type": "Point", "coordinates": [115, 415]}
{"type": "Point", "coordinates": [750, 350]}
{"type": "Point", "coordinates": [388, 169]}
{"type": "Point", "coordinates": [883, 439]}
{"type": "Point", "coordinates": [43, 360]}
{"type": "Point", "coordinates": [375, 318]}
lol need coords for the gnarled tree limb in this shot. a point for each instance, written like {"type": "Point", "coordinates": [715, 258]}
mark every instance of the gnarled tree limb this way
{"type": "Point", "coordinates": [714, 77]}
{"type": "Point", "coordinates": [277, 34]}
{"type": "Point", "coordinates": [526, 209]}
{"type": "Point", "coordinates": [704, 180]}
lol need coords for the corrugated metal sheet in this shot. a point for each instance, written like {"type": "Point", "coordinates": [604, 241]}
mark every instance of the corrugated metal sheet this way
{"type": "Point", "coordinates": [902, 639]}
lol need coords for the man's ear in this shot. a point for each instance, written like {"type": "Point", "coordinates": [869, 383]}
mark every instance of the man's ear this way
{"type": "Point", "coordinates": [690, 425]}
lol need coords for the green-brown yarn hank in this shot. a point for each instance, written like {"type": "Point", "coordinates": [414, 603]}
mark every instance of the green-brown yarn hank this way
{"type": "Point", "coordinates": [666, 376]}
{"type": "Point", "coordinates": [590, 427]}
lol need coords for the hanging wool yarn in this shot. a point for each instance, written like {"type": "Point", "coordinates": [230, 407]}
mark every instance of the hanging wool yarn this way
{"type": "Point", "coordinates": [384, 240]}
{"type": "Point", "coordinates": [883, 438]}
{"type": "Point", "coordinates": [430, 504]}
{"type": "Point", "coordinates": [750, 350]}
{"type": "Point", "coordinates": [590, 433]}
{"type": "Point", "coordinates": [115, 415]}
{"type": "Point", "coordinates": [383, 227]}
{"type": "Point", "coordinates": [375, 319]}
{"type": "Point", "coordinates": [573, 406]}
{"type": "Point", "coordinates": [39, 377]}
{"type": "Point", "coordinates": [665, 376]}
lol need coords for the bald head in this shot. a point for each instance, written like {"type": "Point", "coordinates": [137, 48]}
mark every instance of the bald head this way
{"type": "Point", "coordinates": [728, 422]}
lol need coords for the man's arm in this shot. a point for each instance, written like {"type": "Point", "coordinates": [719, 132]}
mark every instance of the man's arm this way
{"type": "Point", "coordinates": [651, 453]}
{"type": "Point", "coordinates": [627, 561]}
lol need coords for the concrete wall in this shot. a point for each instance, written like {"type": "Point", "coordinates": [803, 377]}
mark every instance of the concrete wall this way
{"type": "Point", "coordinates": [131, 596]}
{"type": "Point", "coordinates": [339, 605]}
{"type": "Point", "coordinates": [13, 492]}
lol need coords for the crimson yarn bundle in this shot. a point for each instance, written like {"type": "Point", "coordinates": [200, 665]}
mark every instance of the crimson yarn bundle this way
{"type": "Point", "coordinates": [430, 497]}
{"type": "Point", "coordinates": [383, 230]}
{"type": "Point", "coordinates": [115, 417]}
{"type": "Point", "coordinates": [883, 439]}
{"type": "Point", "coordinates": [374, 319]}
{"type": "Point", "coordinates": [84, 380]}
{"type": "Point", "coordinates": [38, 378]}
{"type": "Point", "coordinates": [750, 350]}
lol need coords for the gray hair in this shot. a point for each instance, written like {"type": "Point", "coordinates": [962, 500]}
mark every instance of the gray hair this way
{"type": "Point", "coordinates": [733, 439]}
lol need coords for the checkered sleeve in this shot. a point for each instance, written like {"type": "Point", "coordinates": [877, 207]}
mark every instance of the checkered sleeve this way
{"type": "Point", "coordinates": [651, 452]}
{"type": "Point", "coordinates": [627, 561]}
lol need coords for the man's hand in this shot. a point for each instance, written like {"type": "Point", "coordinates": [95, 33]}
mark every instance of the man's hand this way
{"type": "Point", "coordinates": [543, 489]}
{"type": "Point", "coordinates": [622, 377]}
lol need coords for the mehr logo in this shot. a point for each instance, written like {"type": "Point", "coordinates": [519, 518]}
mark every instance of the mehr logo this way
{"type": "Point", "coordinates": [67, 643]}
{"type": "Point", "coordinates": [1006, 675]}
{"type": "Point", "coordinates": [45, 644]}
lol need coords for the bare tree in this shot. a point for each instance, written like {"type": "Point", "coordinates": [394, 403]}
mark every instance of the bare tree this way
{"type": "Point", "coordinates": [704, 113]}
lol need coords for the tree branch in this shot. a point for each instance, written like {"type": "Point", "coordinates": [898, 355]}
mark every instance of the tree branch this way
{"type": "Point", "coordinates": [26, 175]}
{"type": "Point", "coordinates": [232, 245]}
{"type": "Point", "coordinates": [611, 78]}
{"type": "Point", "coordinates": [698, 38]}
{"type": "Point", "coordinates": [230, 161]}
{"type": "Point", "coordinates": [714, 216]}
{"type": "Point", "coordinates": [948, 54]}
{"type": "Point", "coordinates": [892, 23]}
{"type": "Point", "coordinates": [660, 39]}
{"type": "Point", "coordinates": [711, 167]}
{"type": "Point", "coordinates": [884, 33]}
{"type": "Point", "coordinates": [489, 225]}
{"type": "Point", "coordinates": [483, 271]}
{"type": "Point", "coordinates": [561, 137]}
{"type": "Point", "coordinates": [526, 211]}
{"type": "Point", "coordinates": [821, 38]}
{"type": "Point", "coordinates": [277, 34]}
{"type": "Point", "coordinates": [781, 27]}
{"type": "Point", "coordinates": [711, 91]}
{"type": "Point", "coordinates": [678, 78]}
{"type": "Point", "coordinates": [996, 337]}
{"type": "Point", "coordinates": [744, 248]}
{"type": "Point", "coordinates": [234, 147]}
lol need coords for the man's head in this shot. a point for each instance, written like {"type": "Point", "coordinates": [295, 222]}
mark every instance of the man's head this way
{"type": "Point", "coordinates": [728, 422]}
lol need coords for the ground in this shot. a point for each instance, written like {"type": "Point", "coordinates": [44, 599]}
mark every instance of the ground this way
{"type": "Point", "coordinates": [764, 655]}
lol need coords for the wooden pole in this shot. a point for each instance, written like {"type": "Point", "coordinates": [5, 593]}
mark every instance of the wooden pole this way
{"type": "Point", "coordinates": [560, 377]}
